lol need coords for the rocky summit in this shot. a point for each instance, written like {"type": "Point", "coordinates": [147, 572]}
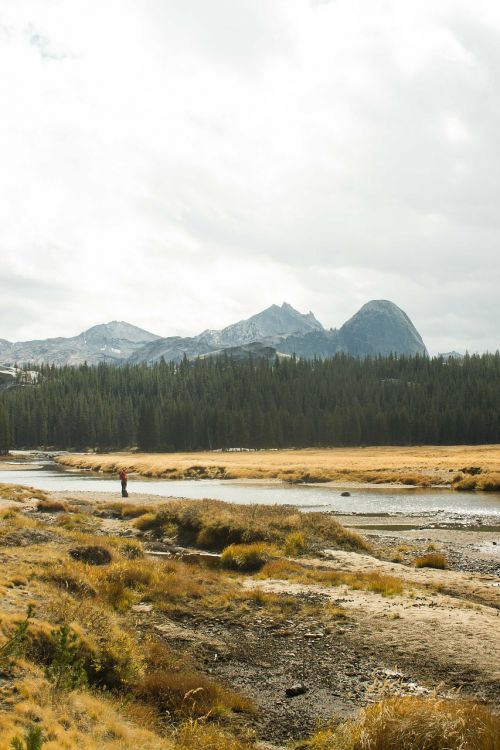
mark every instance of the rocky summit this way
{"type": "Point", "coordinates": [379, 328]}
{"type": "Point", "coordinates": [110, 342]}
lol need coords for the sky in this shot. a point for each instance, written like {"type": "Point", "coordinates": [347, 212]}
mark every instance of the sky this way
{"type": "Point", "coordinates": [183, 164]}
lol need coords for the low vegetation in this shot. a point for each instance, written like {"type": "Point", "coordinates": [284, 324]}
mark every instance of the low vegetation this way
{"type": "Point", "coordinates": [19, 493]}
{"type": "Point", "coordinates": [432, 560]}
{"type": "Point", "coordinates": [246, 557]}
{"type": "Point", "coordinates": [98, 662]}
{"type": "Point", "coordinates": [371, 581]}
{"type": "Point", "coordinates": [416, 465]}
{"type": "Point", "coordinates": [488, 482]}
{"type": "Point", "coordinates": [214, 525]}
{"type": "Point", "coordinates": [413, 723]}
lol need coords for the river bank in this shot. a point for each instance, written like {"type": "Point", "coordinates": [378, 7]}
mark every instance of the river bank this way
{"type": "Point", "coordinates": [461, 467]}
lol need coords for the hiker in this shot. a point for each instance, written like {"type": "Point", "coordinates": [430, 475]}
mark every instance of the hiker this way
{"type": "Point", "coordinates": [123, 479]}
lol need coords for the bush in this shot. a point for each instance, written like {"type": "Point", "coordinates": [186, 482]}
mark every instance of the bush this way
{"type": "Point", "coordinates": [15, 645]}
{"type": "Point", "coordinates": [32, 740]}
{"type": "Point", "coordinates": [66, 670]}
{"type": "Point", "coordinates": [412, 723]}
{"type": "Point", "coordinates": [247, 558]}
{"type": "Point", "coordinates": [432, 560]}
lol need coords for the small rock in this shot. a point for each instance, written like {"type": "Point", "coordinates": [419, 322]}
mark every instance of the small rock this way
{"type": "Point", "coordinates": [298, 689]}
{"type": "Point", "coordinates": [345, 494]}
{"type": "Point", "coordinates": [142, 607]}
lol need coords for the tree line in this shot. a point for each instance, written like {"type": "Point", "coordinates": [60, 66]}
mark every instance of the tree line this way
{"type": "Point", "coordinates": [224, 403]}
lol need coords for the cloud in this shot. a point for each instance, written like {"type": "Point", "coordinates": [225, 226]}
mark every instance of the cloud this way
{"type": "Point", "coordinates": [180, 165]}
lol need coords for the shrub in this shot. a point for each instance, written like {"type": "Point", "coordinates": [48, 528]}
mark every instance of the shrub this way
{"type": "Point", "coordinates": [15, 645]}
{"type": "Point", "coordinates": [414, 723]}
{"type": "Point", "coordinates": [114, 658]}
{"type": "Point", "coordinates": [32, 740]}
{"type": "Point", "coordinates": [246, 557]}
{"type": "Point", "coordinates": [66, 670]}
{"type": "Point", "coordinates": [432, 560]}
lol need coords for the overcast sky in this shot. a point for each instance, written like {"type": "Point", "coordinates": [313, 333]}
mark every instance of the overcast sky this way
{"type": "Point", "coordinates": [182, 164]}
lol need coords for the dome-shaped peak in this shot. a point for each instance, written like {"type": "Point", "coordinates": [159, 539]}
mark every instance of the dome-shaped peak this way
{"type": "Point", "coordinates": [381, 327]}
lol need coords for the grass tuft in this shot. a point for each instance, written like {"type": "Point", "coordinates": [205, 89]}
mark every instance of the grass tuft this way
{"type": "Point", "coordinates": [246, 558]}
{"type": "Point", "coordinates": [432, 560]}
{"type": "Point", "coordinates": [414, 723]}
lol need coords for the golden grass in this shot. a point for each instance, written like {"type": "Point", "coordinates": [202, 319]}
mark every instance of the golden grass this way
{"type": "Point", "coordinates": [431, 560]}
{"type": "Point", "coordinates": [414, 723]}
{"type": "Point", "coordinates": [246, 557]}
{"type": "Point", "coordinates": [213, 525]}
{"type": "Point", "coordinates": [488, 482]}
{"type": "Point", "coordinates": [371, 581]}
{"type": "Point", "coordinates": [20, 493]}
{"type": "Point", "coordinates": [416, 465]}
{"type": "Point", "coordinates": [73, 720]}
{"type": "Point", "coordinates": [189, 695]}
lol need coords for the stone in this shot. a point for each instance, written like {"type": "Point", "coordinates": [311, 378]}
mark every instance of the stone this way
{"type": "Point", "coordinates": [297, 689]}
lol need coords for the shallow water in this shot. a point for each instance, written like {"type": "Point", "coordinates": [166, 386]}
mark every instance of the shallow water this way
{"type": "Point", "coordinates": [442, 503]}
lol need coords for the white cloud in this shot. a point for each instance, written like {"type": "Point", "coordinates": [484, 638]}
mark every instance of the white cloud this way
{"type": "Point", "coordinates": [181, 165]}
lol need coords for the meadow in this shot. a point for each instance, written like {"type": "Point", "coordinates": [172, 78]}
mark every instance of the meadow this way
{"type": "Point", "coordinates": [461, 467]}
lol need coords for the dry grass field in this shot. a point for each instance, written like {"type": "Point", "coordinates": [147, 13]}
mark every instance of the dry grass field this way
{"type": "Point", "coordinates": [420, 465]}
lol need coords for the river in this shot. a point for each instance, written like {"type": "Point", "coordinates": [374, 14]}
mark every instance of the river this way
{"type": "Point", "coordinates": [442, 503]}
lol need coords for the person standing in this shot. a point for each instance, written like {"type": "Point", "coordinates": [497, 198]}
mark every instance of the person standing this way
{"type": "Point", "coordinates": [123, 479]}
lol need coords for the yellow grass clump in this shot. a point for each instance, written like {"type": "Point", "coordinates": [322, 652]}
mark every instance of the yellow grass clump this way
{"type": "Point", "coordinates": [432, 560]}
{"type": "Point", "coordinates": [246, 557]}
{"type": "Point", "coordinates": [189, 695]}
{"type": "Point", "coordinates": [414, 723]}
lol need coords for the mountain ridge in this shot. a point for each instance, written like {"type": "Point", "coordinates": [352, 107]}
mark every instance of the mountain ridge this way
{"type": "Point", "coordinates": [379, 327]}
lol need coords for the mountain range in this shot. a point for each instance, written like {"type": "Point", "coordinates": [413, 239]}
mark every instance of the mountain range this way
{"type": "Point", "coordinates": [379, 327]}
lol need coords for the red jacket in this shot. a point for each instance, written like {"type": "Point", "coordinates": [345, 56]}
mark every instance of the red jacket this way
{"type": "Point", "coordinates": [123, 475]}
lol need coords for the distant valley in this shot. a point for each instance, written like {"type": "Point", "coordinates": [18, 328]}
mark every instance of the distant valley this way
{"type": "Point", "coordinates": [379, 328]}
